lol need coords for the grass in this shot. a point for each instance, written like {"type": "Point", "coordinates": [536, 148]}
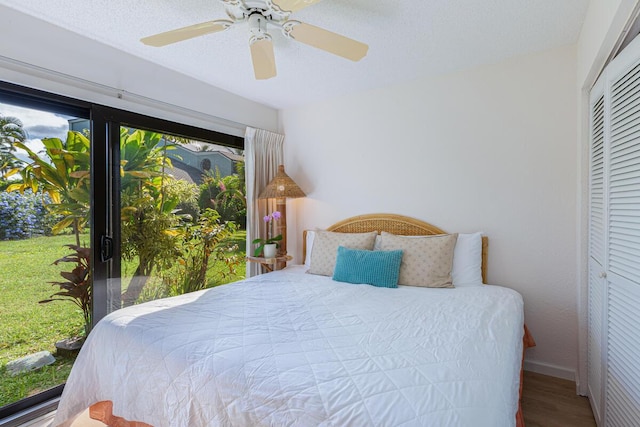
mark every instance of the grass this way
{"type": "Point", "coordinates": [27, 327]}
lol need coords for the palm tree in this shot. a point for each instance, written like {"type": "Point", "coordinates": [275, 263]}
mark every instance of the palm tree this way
{"type": "Point", "coordinates": [9, 162]}
{"type": "Point", "coordinates": [203, 146]}
{"type": "Point", "coordinates": [11, 131]}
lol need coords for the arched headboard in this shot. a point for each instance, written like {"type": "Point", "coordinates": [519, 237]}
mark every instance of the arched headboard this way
{"type": "Point", "coordinates": [396, 224]}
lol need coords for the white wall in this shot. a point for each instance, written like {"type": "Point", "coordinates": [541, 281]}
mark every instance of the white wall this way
{"type": "Point", "coordinates": [601, 30]}
{"type": "Point", "coordinates": [40, 55]}
{"type": "Point", "coordinates": [489, 149]}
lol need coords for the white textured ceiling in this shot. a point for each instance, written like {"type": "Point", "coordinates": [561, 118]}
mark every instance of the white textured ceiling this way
{"type": "Point", "coordinates": [407, 39]}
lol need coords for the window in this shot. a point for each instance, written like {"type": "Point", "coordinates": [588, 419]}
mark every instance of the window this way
{"type": "Point", "coordinates": [135, 207]}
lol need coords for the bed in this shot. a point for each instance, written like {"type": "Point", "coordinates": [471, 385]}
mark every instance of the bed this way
{"type": "Point", "coordinates": [291, 348]}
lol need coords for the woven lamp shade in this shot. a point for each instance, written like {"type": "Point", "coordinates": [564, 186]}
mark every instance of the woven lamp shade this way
{"type": "Point", "coordinates": [281, 187]}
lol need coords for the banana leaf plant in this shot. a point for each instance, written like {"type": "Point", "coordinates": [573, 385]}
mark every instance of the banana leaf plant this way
{"type": "Point", "coordinates": [77, 284]}
{"type": "Point", "coordinates": [62, 171]}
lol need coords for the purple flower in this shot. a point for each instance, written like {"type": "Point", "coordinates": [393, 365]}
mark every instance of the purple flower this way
{"type": "Point", "coordinates": [276, 215]}
{"type": "Point", "coordinates": [267, 218]}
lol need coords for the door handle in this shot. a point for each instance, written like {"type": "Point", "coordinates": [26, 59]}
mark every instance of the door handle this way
{"type": "Point", "coordinates": [106, 248]}
{"type": "Point", "coordinates": [602, 275]}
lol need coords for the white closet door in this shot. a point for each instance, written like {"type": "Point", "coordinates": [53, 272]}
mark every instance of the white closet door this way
{"type": "Point", "coordinates": [623, 275]}
{"type": "Point", "coordinates": [597, 255]}
{"type": "Point", "coordinates": [596, 340]}
{"type": "Point", "coordinates": [596, 178]}
{"type": "Point", "coordinates": [623, 373]}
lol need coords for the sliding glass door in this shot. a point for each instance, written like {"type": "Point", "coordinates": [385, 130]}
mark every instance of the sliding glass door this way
{"type": "Point", "coordinates": [180, 220]}
{"type": "Point", "coordinates": [101, 209]}
{"type": "Point", "coordinates": [45, 277]}
{"type": "Point", "coordinates": [182, 215]}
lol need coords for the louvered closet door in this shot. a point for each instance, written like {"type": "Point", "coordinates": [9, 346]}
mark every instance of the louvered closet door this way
{"type": "Point", "coordinates": [597, 214]}
{"type": "Point", "coordinates": [623, 275]}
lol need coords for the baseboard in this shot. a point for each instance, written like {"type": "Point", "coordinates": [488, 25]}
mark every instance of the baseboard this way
{"type": "Point", "coordinates": [551, 370]}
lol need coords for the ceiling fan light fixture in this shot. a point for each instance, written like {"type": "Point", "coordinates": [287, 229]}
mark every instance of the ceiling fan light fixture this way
{"type": "Point", "coordinates": [258, 26]}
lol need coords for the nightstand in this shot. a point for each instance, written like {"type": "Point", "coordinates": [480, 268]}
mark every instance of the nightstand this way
{"type": "Point", "coordinates": [270, 264]}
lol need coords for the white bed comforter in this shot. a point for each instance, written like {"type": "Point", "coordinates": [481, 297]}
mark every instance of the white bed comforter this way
{"type": "Point", "coordinates": [291, 349]}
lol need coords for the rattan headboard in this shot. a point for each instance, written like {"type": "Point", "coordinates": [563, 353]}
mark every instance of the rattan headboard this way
{"type": "Point", "coordinates": [396, 224]}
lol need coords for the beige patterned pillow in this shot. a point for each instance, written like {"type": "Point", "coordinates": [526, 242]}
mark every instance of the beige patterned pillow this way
{"type": "Point", "coordinates": [325, 248]}
{"type": "Point", "coordinates": [427, 261]}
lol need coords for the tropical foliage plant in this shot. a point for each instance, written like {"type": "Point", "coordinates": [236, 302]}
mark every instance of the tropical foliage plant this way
{"type": "Point", "coordinates": [225, 194]}
{"type": "Point", "coordinates": [9, 163]}
{"type": "Point", "coordinates": [159, 215]}
{"type": "Point", "coordinates": [76, 286]}
{"type": "Point", "coordinates": [187, 194]}
{"type": "Point", "coordinates": [147, 209]}
{"type": "Point", "coordinates": [62, 172]}
{"type": "Point", "coordinates": [201, 245]}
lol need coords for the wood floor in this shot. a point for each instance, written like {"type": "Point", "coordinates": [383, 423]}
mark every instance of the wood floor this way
{"type": "Point", "coordinates": [553, 402]}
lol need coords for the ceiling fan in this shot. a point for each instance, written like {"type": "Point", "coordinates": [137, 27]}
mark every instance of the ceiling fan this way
{"type": "Point", "coordinates": [260, 14]}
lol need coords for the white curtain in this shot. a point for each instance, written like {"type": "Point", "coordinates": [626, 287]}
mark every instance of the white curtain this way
{"type": "Point", "coordinates": [263, 151]}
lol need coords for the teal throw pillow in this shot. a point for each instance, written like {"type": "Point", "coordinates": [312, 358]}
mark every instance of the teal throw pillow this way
{"type": "Point", "coordinates": [377, 268]}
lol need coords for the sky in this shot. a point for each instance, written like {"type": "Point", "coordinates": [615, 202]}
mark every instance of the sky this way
{"type": "Point", "coordinates": [42, 124]}
{"type": "Point", "coordinates": [38, 124]}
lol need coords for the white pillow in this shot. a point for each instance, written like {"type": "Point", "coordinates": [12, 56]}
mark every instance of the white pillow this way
{"type": "Point", "coordinates": [310, 236]}
{"type": "Point", "coordinates": [467, 260]}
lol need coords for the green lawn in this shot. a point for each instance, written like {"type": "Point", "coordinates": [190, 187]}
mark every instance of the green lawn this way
{"type": "Point", "coordinates": [25, 325]}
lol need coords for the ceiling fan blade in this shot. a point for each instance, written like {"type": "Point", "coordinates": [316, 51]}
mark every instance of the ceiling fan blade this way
{"type": "Point", "coordinates": [326, 40]}
{"type": "Point", "coordinates": [264, 60]}
{"type": "Point", "coordinates": [186, 33]}
{"type": "Point", "coordinates": [293, 5]}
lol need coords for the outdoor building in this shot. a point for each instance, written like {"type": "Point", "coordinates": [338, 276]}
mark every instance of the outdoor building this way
{"type": "Point", "coordinates": [191, 160]}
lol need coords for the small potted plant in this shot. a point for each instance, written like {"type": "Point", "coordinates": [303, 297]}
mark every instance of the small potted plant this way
{"type": "Point", "coordinates": [268, 246]}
